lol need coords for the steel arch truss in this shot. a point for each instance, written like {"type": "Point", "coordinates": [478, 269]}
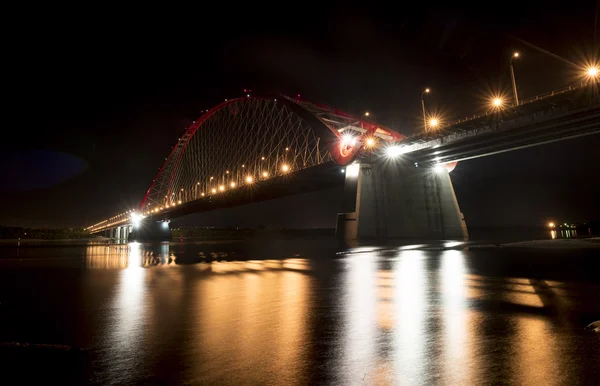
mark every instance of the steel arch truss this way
{"type": "Point", "coordinates": [245, 140]}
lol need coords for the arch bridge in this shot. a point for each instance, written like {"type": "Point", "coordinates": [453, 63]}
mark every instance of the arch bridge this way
{"type": "Point", "coordinates": [257, 148]}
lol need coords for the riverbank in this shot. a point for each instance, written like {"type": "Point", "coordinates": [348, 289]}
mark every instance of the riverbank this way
{"type": "Point", "coordinates": [592, 242]}
{"type": "Point", "coordinates": [15, 242]}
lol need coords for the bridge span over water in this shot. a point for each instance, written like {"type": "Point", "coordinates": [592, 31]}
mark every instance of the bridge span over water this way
{"type": "Point", "coordinates": [262, 147]}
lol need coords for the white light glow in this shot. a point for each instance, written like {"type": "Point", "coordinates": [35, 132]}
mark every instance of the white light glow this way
{"type": "Point", "coordinates": [348, 140]}
{"type": "Point", "coordinates": [352, 170]}
{"type": "Point", "coordinates": [394, 151]}
{"type": "Point", "coordinates": [452, 244]}
{"type": "Point", "coordinates": [136, 219]}
{"type": "Point", "coordinates": [439, 168]}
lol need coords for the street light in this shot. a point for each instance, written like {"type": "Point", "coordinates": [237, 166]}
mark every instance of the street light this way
{"type": "Point", "coordinates": [423, 107]}
{"type": "Point", "coordinates": [512, 75]}
{"type": "Point", "coordinates": [592, 72]}
{"type": "Point", "coordinates": [497, 102]}
{"type": "Point", "coordinates": [434, 122]}
{"type": "Point", "coordinates": [367, 114]}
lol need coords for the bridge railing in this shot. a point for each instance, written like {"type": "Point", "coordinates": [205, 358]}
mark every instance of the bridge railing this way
{"type": "Point", "coordinates": [524, 102]}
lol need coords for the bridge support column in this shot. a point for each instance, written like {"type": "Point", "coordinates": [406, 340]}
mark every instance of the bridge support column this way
{"type": "Point", "coordinates": [151, 230]}
{"type": "Point", "coordinates": [391, 200]}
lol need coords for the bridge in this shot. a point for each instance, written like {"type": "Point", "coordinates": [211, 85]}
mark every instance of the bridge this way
{"type": "Point", "coordinates": [257, 148]}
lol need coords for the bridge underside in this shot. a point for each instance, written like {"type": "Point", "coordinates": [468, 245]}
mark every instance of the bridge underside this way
{"type": "Point", "coordinates": [324, 176]}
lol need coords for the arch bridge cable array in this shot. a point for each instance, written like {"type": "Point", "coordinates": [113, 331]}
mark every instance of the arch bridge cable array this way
{"type": "Point", "coordinates": [246, 140]}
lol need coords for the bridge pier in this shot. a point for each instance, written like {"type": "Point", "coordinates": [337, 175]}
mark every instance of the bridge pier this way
{"type": "Point", "coordinates": [391, 200]}
{"type": "Point", "coordinates": [151, 231]}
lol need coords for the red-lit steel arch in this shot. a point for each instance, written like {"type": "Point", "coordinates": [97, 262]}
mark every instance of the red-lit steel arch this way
{"type": "Point", "coordinates": [245, 140]}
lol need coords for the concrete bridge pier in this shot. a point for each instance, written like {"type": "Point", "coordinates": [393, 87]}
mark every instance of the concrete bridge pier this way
{"type": "Point", "coordinates": [387, 199]}
{"type": "Point", "coordinates": [151, 231]}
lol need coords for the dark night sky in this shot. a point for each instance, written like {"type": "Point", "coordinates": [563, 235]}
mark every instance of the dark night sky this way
{"type": "Point", "coordinates": [95, 98]}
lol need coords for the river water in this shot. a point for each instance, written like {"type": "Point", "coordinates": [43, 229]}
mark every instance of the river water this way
{"type": "Point", "coordinates": [291, 312]}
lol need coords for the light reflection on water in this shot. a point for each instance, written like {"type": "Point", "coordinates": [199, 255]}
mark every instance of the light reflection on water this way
{"type": "Point", "coordinates": [412, 316]}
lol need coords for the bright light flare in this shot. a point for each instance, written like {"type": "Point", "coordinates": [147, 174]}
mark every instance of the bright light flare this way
{"type": "Point", "coordinates": [439, 168]}
{"type": "Point", "coordinates": [592, 72]}
{"type": "Point", "coordinates": [394, 151]}
{"type": "Point", "coordinates": [249, 179]}
{"type": "Point", "coordinates": [285, 168]}
{"type": "Point", "coordinates": [232, 184]}
{"type": "Point", "coordinates": [221, 188]}
{"type": "Point", "coordinates": [213, 190]}
{"type": "Point", "coordinates": [136, 219]}
{"type": "Point", "coordinates": [367, 114]}
{"type": "Point", "coordinates": [516, 55]}
{"type": "Point", "coordinates": [497, 102]}
{"type": "Point", "coordinates": [370, 143]}
{"type": "Point", "coordinates": [551, 225]}
{"type": "Point", "coordinates": [265, 174]}
{"type": "Point", "coordinates": [434, 122]}
{"type": "Point", "coordinates": [348, 140]}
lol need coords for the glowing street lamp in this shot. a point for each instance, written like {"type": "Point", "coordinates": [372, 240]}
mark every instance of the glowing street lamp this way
{"type": "Point", "coordinates": [221, 188]}
{"type": "Point", "coordinates": [434, 122]}
{"type": "Point", "coordinates": [232, 184]}
{"type": "Point", "coordinates": [550, 225]}
{"type": "Point", "coordinates": [370, 143]}
{"type": "Point", "coordinates": [367, 114]}
{"type": "Point", "coordinates": [265, 174]}
{"type": "Point", "coordinates": [497, 102]}
{"type": "Point", "coordinates": [249, 179]}
{"type": "Point", "coordinates": [592, 72]}
{"type": "Point", "coordinates": [213, 190]}
{"type": "Point", "coordinates": [512, 75]}
{"type": "Point", "coordinates": [285, 168]}
{"type": "Point", "coordinates": [423, 107]}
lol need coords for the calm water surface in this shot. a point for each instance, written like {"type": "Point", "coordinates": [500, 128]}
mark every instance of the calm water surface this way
{"type": "Point", "coordinates": [299, 312]}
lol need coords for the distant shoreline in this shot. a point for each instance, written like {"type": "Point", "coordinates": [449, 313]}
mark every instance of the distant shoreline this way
{"type": "Point", "coordinates": [591, 242]}
{"type": "Point", "coordinates": [37, 241]}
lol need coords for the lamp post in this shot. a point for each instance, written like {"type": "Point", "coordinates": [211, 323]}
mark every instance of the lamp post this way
{"type": "Point", "coordinates": [512, 75]}
{"type": "Point", "coordinates": [423, 107]}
